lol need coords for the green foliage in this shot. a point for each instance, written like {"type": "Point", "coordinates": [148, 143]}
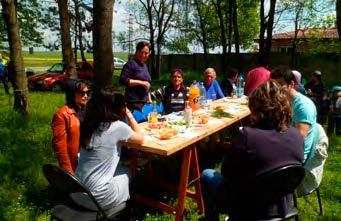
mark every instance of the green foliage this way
{"type": "Point", "coordinates": [29, 14]}
{"type": "Point", "coordinates": [248, 23]}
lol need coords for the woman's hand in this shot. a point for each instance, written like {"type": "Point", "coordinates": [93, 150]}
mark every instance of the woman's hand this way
{"type": "Point", "coordinates": [146, 84]}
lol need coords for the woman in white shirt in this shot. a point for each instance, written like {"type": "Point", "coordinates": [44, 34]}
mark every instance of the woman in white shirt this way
{"type": "Point", "coordinates": [101, 133]}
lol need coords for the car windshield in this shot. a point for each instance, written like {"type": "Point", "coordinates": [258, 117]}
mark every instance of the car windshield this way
{"type": "Point", "coordinates": [59, 67]}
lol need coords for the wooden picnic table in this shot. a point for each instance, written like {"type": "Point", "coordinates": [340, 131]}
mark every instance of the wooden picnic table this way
{"type": "Point", "coordinates": [186, 144]}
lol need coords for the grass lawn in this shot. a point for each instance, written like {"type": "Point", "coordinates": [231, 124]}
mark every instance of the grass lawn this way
{"type": "Point", "coordinates": [25, 145]}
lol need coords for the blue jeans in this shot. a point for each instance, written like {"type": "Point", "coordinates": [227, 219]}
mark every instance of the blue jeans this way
{"type": "Point", "coordinates": [212, 181]}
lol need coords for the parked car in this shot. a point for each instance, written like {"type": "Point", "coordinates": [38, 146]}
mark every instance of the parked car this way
{"type": "Point", "coordinates": [55, 77]}
{"type": "Point", "coordinates": [118, 63]}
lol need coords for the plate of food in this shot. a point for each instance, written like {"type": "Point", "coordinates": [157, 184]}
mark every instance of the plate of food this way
{"type": "Point", "coordinates": [158, 125]}
{"type": "Point", "coordinates": [218, 106]}
{"type": "Point", "coordinates": [166, 133]}
{"type": "Point", "coordinates": [202, 119]}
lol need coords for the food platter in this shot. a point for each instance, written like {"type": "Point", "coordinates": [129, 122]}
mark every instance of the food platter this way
{"type": "Point", "coordinates": [166, 133]}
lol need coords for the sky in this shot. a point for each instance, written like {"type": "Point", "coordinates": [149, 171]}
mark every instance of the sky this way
{"type": "Point", "coordinates": [120, 20]}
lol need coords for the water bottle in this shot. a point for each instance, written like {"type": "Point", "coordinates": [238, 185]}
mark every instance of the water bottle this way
{"type": "Point", "coordinates": [240, 86]}
{"type": "Point", "coordinates": [202, 99]}
{"type": "Point", "coordinates": [188, 114]}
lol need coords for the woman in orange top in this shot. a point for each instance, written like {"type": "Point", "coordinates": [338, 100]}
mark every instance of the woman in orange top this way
{"type": "Point", "coordinates": [66, 124]}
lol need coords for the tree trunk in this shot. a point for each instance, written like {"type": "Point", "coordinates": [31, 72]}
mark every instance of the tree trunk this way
{"type": "Point", "coordinates": [203, 33]}
{"type": "Point", "coordinates": [235, 26]}
{"type": "Point", "coordinates": [262, 59]}
{"type": "Point", "coordinates": [294, 44]}
{"type": "Point", "coordinates": [68, 58]}
{"type": "Point", "coordinates": [338, 17]}
{"type": "Point", "coordinates": [79, 33]}
{"type": "Point", "coordinates": [102, 42]}
{"type": "Point", "coordinates": [230, 27]}
{"type": "Point", "coordinates": [269, 29]}
{"type": "Point", "coordinates": [17, 71]}
{"type": "Point", "coordinates": [218, 9]}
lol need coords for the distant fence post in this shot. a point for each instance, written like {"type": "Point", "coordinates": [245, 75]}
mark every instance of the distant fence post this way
{"type": "Point", "coordinates": [30, 50]}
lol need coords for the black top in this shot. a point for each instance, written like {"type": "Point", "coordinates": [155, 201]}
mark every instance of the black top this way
{"type": "Point", "coordinates": [174, 100]}
{"type": "Point", "coordinates": [226, 87]}
{"type": "Point", "coordinates": [136, 71]}
{"type": "Point", "coordinates": [256, 151]}
{"type": "Point", "coordinates": [318, 90]}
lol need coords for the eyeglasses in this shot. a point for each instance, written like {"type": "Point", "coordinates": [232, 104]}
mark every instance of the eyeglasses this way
{"type": "Point", "coordinates": [83, 93]}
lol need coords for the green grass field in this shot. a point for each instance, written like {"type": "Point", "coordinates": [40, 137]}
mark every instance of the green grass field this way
{"type": "Point", "coordinates": [47, 58]}
{"type": "Point", "coordinates": [25, 145]}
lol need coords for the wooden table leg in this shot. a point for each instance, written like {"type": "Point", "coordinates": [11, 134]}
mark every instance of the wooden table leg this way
{"type": "Point", "coordinates": [197, 183]}
{"type": "Point", "coordinates": [185, 168]}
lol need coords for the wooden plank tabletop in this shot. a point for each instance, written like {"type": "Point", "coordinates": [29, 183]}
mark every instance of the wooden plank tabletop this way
{"type": "Point", "coordinates": [236, 107]}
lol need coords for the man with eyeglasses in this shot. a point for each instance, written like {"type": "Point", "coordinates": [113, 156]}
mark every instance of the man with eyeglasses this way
{"type": "Point", "coordinates": [136, 78]}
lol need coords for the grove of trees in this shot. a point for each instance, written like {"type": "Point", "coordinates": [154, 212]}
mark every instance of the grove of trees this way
{"type": "Point", "coordinates": [180, 26]}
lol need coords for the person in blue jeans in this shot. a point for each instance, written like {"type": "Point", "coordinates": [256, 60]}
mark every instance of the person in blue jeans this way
{"type": "Point", "coordinates": [268, 144]}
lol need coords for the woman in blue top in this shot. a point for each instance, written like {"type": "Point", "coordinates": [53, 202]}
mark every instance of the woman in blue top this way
{"type": "Point", "coordinates": [213, 90]}
{"type": "Point", "coordinates": [136, 78]}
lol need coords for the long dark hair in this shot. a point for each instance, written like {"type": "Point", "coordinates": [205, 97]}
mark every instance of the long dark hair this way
{"type": "Point", "coordinates": [106, 107]}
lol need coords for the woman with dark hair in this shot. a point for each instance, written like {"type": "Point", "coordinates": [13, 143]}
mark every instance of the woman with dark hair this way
{"type": "Point", "coordinates": [101, 133]}
{"type": "Point", "coordinates": [228, 84]}
{"type": "Point", "coordinates": [136, 78]}
{"type": "Point", "coordinates": [269, 144]}
{"type": "Point", "coordinates": [66, 124]}
{"type": "Point", "coordinates": [174, 95]}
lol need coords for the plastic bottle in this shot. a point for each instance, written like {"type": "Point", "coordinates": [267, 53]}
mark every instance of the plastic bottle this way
{"type": "Point", "coordinates": [153, 114]}
{"type": "Point", "coordinates": [202, 99]}
{"type": "Point", "coordinates": [193, 98]}
{"type": "Point", "coordinates": [240, 86]}
{"type": "Point", "coordinates": [188, 114]}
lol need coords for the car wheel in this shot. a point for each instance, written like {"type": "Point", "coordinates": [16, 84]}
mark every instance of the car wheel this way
{"type": "Point", "coordinates": [31, 86]}
{"type": "Point", "coordinates": [57, 87]}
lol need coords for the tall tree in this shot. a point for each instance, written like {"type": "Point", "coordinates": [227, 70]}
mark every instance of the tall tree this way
{"type": "Point", "coordinates": [338, 17]}
{"type": "Point", "coordinates": [68, 58]}
{"type": "Point", "coordinates": [79, 16]}
{"type": "Point", "coordinates": [266, 27]}
{"type": "Point", "coordinates": [235, 24]}
{"type": "Point", "coordinates": [158, 14]}
{"type": "Point", "coordinates": [17, 62]}
{"type": "Point", "coordinates": [220, 9]}
{"type": "Point", "coordinates": [102, 41]}
{"type": "Point", "coordinates": [29, 13]}
{"type": "Point", "coordinates": [203, 29]}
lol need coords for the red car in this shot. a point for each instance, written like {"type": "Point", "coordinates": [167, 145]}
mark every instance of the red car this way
{"type": "Point", "coordinates": [55, 77]}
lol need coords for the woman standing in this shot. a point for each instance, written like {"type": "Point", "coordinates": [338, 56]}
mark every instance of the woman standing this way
{"type": "Point", "coordinates": [136, 78]}
{"type": "Point", "coordinates": [66, 124]}
{"type": "Point", "coordinates": [101, 133]}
